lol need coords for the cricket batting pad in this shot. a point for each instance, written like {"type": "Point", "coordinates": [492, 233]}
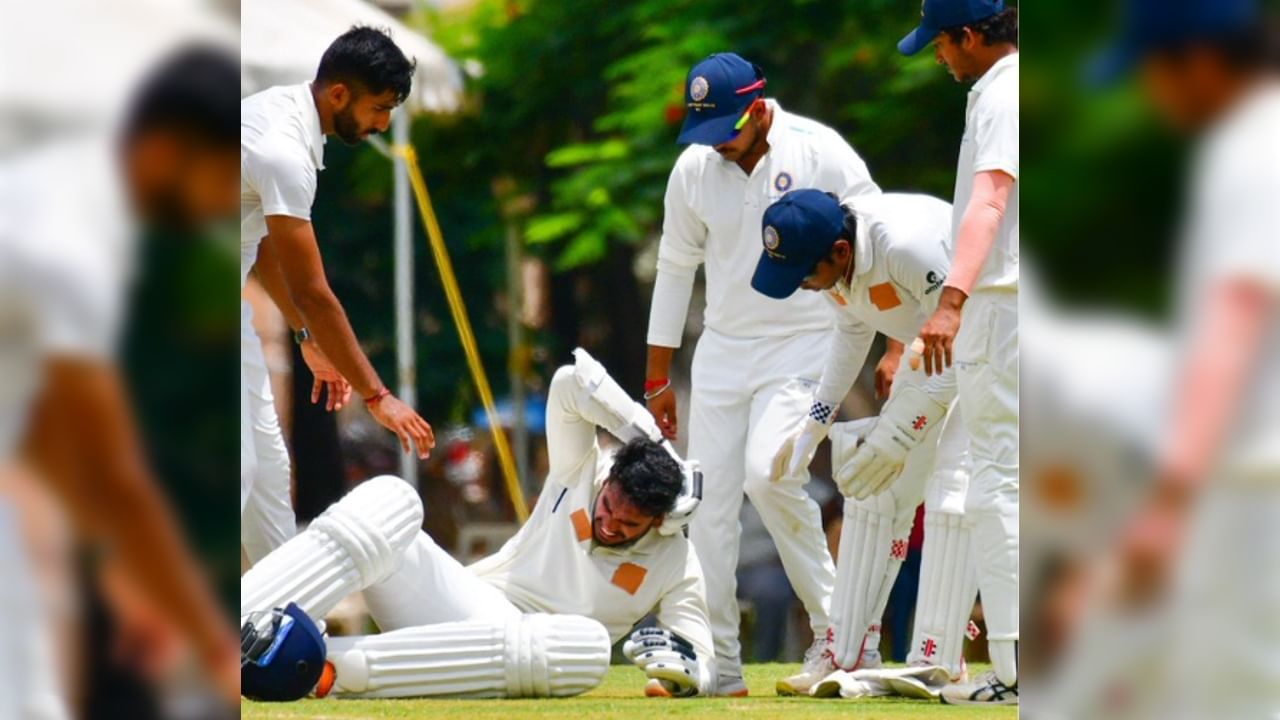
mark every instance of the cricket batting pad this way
{"type": "Point", "coordinates": [948, 586]}
{"type": "Point", "coordinates": [358, 541]}
{"type": "Point", "coordinates": [525, 656]}
{"type": "Point", "coordinates": [871, 553]}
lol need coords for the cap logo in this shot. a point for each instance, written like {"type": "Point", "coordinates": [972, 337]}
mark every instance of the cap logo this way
{"type": "Point", "coordinates": [771, 239]}
{"type": "Point", "coordinates": [782, 182]}
{"type": "Point", "coordinates": [699, 88]}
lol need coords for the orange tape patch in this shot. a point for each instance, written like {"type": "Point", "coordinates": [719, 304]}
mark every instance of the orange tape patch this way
{"type": "Point", "coordinates": [884, 296]}
{"type": "Point", "coordinates": [628, 576]}
{"type": "Point", "coordinates": [581, 524]}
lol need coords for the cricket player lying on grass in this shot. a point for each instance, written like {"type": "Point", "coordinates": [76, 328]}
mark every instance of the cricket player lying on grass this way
{"type": "Point", "coordinates": [881, 261]}
{"type": "Point", "coordinates": [604, 547]}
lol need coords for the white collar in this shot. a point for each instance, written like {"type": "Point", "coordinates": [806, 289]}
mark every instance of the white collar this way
{"type": "Point", "coordinates": [1007, 62]}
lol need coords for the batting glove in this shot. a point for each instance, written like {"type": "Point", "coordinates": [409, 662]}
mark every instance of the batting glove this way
{"type": "Point", "coordinates": [904, 421]}
{"type": "Point", "coordinates": [666, 657]}
{"type": "Point", "coordinates": [797, 450]}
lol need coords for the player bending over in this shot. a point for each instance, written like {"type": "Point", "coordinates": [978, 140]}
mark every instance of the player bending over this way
{"type": "Point", "coordinates": [603, 548]}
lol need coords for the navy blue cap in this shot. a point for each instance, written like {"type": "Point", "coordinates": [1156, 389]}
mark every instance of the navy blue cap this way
{"type": "Point", "coordinates": [1149, 25]}
{"type": "Point", "coordinates": [799, 230]}
{"type": "Point", "coordinates": [281, 659]}
{"type": "Point", "coordinates": [717, 93]}
{"type": "Point", "coordinates": [937, 15]}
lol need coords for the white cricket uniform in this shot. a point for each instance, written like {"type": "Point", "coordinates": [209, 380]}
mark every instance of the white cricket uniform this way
{"type": "Point", "coordinates": [986, 353]}
{"type": "Point", "coordinates": [1227, 648]}
{"type": "Point", "coordinates": [66, 256]}
{"type": "Point", "coordinates": [553, 564]}
{"type": "Point", "coordinates": [281, 152]}
{"type": "Point", "coordinates": [758, 360]}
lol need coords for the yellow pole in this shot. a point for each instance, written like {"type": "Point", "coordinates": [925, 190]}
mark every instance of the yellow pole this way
{"type": "Point", "coordinates": [459, 312]}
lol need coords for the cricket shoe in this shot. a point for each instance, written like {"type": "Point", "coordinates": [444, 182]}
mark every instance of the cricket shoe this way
{"type": "Point", "coordinates": [818, 663]}
{"type": "Point", "coordinates": [731, 686]}
{"type": "Point", "coordinates": [986, 690]}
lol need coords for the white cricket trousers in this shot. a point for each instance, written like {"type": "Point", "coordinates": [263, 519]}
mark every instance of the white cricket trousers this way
{"type": "Point", "coordinates": [748, 395]}
{"type": "Point", "coordinates": [986, 360]}
{"type": "Point", "coordinates": [266, 509]}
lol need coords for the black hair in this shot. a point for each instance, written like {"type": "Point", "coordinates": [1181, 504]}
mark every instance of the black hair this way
{"type": "Point", "coordinates": [999, 28]}
{"type": "Point", "coordinates": [1255, 46]}
{"type": "Point", "coordinates": [366, 60]}
{"type": "Point", "coordinates": [650, 478]}
{"type": "Point", "coordinates": [194, 92]}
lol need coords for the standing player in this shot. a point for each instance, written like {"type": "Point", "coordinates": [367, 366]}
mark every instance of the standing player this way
{"type": "Point", "coordinates": [603, 548]}
{"type": "Point", "coordinates": [978, 42]}
{"type": "Point", "coordinates": [758, 359]}
{"type": "Point", "coordinates": [361, 78]}
{"type": "Point", "coordinates": [880, 261]}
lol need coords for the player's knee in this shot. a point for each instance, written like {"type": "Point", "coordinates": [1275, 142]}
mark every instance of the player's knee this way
{"type": "Point", "coordinates": [374, 524]}
{"type": "Point", "coordinates": [555, 655]}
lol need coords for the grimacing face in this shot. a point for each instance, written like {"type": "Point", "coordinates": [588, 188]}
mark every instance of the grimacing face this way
{"type": "Point", "coordinates": [615, 520]}
{"type": "Point", "coordinates": [362, 114]}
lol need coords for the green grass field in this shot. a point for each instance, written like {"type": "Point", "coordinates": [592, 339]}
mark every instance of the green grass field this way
{"type": "Point", "coordinates": [620, 696]}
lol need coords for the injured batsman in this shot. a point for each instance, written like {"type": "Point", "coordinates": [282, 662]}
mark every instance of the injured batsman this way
{"type": "Point", "coordinates": [604, 547]}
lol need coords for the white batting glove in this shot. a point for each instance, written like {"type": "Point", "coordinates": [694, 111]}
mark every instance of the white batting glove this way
{"type": "Point", "coordinates": [797, 450]}
{"type": "Point", "coordinates": [878, 460]}
{"type": "Point", "coordinates": [666, 657]}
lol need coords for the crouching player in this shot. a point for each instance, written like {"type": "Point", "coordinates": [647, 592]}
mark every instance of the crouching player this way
{"type": "Point", "coordinates": [881, 260]}
{"type": "Point", "coordinates": [603, 548]}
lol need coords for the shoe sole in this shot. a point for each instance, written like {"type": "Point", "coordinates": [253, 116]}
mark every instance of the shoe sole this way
{"type": "Point", "coordinates": [785, 690]}
{"type": "Point", "coordinates": [945, 701]}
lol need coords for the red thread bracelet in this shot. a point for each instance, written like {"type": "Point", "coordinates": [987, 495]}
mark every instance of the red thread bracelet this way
{"type": "Point", "coordinates": [651, 385]}
{"type": "Point", "coordinates": [377, 397]}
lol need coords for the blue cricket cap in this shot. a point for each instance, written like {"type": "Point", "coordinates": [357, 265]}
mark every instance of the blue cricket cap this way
{"type": "Point", "coordinates": [717, 93]}
{"type": "Point", "coordinates": [937, 15]}
{"type": "Point", "coordinates": [281, 659]}
{"type": "Point", "coordinates": [1150, 25]}
{"type": "Point", "coordinates": [798, 231]}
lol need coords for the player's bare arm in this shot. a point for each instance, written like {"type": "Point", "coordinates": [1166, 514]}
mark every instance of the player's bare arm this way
{"type": "Point", "coordinates": [660, 397]}
{"type": "Point", "coordinates": [84, 441]}
{"type": "Point", "coordinates": [293, 243]}
{"type": "Point", "coordinates": [888, 367]}
{"type": "Point", "coordinates": [976, 236]}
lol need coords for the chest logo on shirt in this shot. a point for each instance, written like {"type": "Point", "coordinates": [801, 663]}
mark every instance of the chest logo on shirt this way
{"type": "Point", "coordinates": [581, 524]}
{"type": "Point", "coordinates": [628, 576]}
{"type": "Point", "coordinates": [782, 182]}
{"type": "Point", "coordinates": [884, 296]}
{"type": "Point", "coordinates": [935, 281]}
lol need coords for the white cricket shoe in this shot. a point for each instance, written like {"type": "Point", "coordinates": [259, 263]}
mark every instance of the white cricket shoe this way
{"type": "Point", "coordinates": [818, 664]}
{"type": "Point", "coordinates": [731, 686]}
{"type": "Point", "coordinates": [986, 690]}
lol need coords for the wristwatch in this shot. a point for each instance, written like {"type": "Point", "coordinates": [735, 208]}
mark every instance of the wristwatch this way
{"type": "Point", "coordinates": [301, 336]}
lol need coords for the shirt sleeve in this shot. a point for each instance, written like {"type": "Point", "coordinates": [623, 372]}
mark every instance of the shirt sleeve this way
{"type": "Point", "coordinates": [680, 251]}
{"type": "Point", "coordinates": [683, 611]}
{"type": "Point", "coordinates": [848, 352]}
{"type": "Point", "coordinates": [285, 182]}
{"type": "Point", "coordinates": [572, 450]}
{"type": "Point", "coordinates": [995, 132]}
{"type": "Point", "coordinates": [843, 171]}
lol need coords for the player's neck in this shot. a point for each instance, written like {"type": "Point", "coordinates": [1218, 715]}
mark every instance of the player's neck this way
{"type": "Point", "coordinates": [322, 109]}
{"type": "Point", "coordinates": [993, 54]}
{"type": "Point", "coordinates": [751, 158]}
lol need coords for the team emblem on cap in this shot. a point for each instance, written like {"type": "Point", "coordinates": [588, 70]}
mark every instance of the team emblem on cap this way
{"type": "Point", "coordinates": [771, 240]}
{"type": "Point", "coordinates": [699, 88]}
{"type": "Point", "coordinates": [782, 182]}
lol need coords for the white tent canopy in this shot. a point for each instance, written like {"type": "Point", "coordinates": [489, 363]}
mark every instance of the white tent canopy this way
{"type": "Point", "coordinates": [281, 42]}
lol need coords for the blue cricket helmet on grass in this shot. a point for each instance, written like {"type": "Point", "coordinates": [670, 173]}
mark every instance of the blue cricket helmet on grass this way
{"type": "Point", "coordinates": [717, 93]}
{"type": "Point", "coordinates": [798, 230]}
{"type": "Point", "coordinates": [282, 655]}
{"type": "Point", "coordinates": [937, 15]}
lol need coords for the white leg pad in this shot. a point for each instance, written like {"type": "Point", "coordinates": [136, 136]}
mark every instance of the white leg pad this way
{"type": "Point", "coordinates": [356, 542]}
{"type": "Point", "coordinates": [525, 656]}
{"type": "Point", "coordinates": [871, 552]}
{"type": "Point", "coordinates": [948, 586]}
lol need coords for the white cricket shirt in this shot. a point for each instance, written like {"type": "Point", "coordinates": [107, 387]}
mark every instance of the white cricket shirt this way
{"type": "Point", "coordinates": [281, 151]}
{"type": "Point", "coordinates": [991, 143]}
{"type": "Point", "coordinates": [900, 260]}
{"type": "Point", "coordinates": [713, 214]}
